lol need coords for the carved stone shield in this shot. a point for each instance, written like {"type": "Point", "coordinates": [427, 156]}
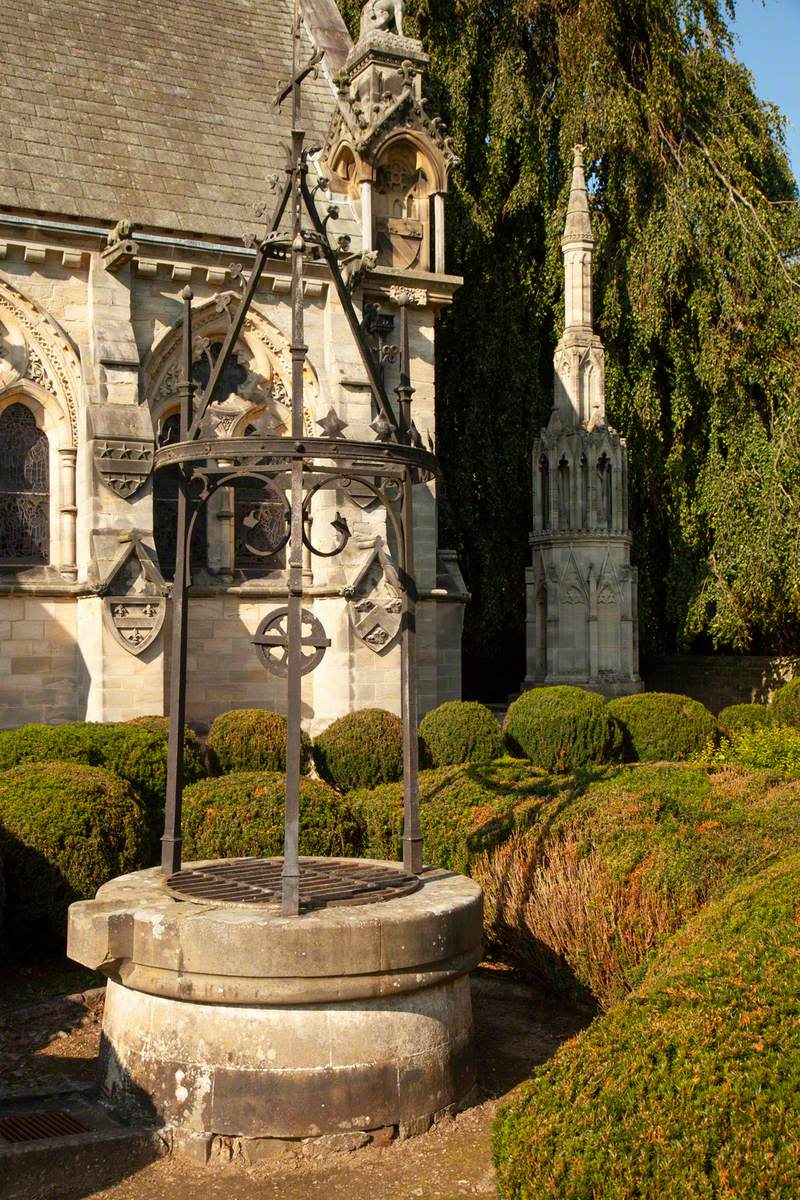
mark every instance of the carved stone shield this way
{"type": "Point", "coordinates": [374, 601]}
{"type": "Point", "coordinates": [401, 240]}
{"type": "Point", "coordinates": [134, 604]}
{"type": "Point", "coordinates": [123, 464]}
{"type": "Point", "coordinates": [134, 622]}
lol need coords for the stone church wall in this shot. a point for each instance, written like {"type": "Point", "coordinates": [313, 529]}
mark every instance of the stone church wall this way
{"type": "Point", "coordinates": [58, 660]}
{"type": "Point", "coordinates": [40, 664]}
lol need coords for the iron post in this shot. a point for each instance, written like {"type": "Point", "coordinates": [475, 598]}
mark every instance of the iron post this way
{"type": "Point", "coordinates": [172, 841]}
{"type": "Point", "coordinates": [412, 834]}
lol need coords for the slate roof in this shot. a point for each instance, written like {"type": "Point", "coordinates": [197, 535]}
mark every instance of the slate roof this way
{"type": "Point", "coordinates": [159, 111]}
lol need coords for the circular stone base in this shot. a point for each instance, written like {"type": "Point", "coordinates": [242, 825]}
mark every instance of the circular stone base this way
{"type": "Point", "coordinates": [235, 1021]}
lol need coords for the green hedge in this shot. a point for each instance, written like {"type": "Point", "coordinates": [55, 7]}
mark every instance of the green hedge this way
{"type": "Point", "coordinates": [195, 759]}
{"type": "Point", "coordinates": [562, 729]}
{"type": "Point", "coordinates": [464, 811]}
{"type": "Point", "coordinates": [135, 755]}
{"type": "Point", "coordinates": [663, 726]}
{"type": "Point", "coordinates": [65, 829]}
{"type": "Point", "coordinates": [775, 749]}
{"type": "Point", "coordinates": [690, 1088]}
{"type": "Point", "coordinates": [459, 731]}
{"type": "Point", "coordinates": [786, 704]}
{"type": "Point", "coordinates": [738, 717]}
{"type": "Point", "coordinates": [252, 739]}
{"type": "Point", "coordinates": [361, 749]}
{"type": "Point", "coordinates": [615, 866]}
{"type": "Point", "coordinates": [241, 815]}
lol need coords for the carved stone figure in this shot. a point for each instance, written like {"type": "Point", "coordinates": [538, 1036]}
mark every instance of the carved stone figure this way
{"type": "Point", "coordinates": [383, 15]}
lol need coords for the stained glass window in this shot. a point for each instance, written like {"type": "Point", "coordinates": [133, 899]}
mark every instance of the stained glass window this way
{"type": "Point", "coordinates": [24, 488]}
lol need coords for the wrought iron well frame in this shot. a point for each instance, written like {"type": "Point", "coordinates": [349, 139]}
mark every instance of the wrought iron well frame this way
{"type": "Point", "coordinates": [389, 467]}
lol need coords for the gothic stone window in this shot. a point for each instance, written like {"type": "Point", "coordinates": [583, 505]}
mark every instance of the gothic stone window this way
{"type": "Point", "coordinates": [604, 507]}
{"type": "Point", "coordinates": [544, 491]}
{"type": "Point", "coordinates": [231, 379]}
{"type": "Point", "coordinates": [24, 489]}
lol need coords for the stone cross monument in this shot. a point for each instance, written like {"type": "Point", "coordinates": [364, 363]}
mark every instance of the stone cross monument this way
{"type": "Point", "coordinates": [581, 588]}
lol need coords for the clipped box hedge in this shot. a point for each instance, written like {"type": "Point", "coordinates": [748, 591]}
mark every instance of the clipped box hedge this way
{"type": "Point", "coordinates": [611, 869]}
{"type": "Point", "coordinates": [786, 704]}
{"type": "Point", "coordinates": [737, 718]}
{"type": "Point", "coordinates": [241, 815]}
{"type": "Point", "coordinates": [195, 762]}
{"type": "Point", "coordinates": [135, 754]}
{"type": "Point", "coordinates": [562, 729]}
{"type": "Point", "coordinates": [459, 731]}
{"type": "Point", "coordinates": [663, 726]}
{"type": "Point", "coordinates": [253, 739]}
{"type": "Point", "coordinates": [362, 749]}
{"type": "Point", "coordinates": [464, 811]}
{"type": "Point", "coordinates": [65, 829]}
{"type": "Point", "coordinates": [691, 1087]}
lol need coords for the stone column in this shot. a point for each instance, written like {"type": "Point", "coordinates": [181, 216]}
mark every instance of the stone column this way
{"type": "Point", "coordinates": [68, 510]}
{"type": "Point", "coordinates": [367, 225]}
{"type": "Point", "coordinates": [438, 233]}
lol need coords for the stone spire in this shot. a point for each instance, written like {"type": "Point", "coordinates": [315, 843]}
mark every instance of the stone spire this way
{"type": "Point", "coordinates": [581, 586]}
{"type": "Point", "coordinates": [579, 377]}
{"type": "Point", "coordinates": [576, 246]}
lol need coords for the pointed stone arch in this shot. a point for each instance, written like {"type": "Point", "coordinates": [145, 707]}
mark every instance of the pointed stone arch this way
{"type": "Point", "coordinates": [264, 354]}
{"type": "Point", "coordinates": [39, 358]}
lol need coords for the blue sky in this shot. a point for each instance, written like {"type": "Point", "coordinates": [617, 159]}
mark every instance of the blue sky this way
{"type": "Point", "coordinates": [769, 39]}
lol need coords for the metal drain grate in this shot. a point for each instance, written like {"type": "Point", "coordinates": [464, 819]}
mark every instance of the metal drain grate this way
{"type": "Point", "coordinates": [33, 1127]}
{"type": "Point", "coordinates": [323, 883]}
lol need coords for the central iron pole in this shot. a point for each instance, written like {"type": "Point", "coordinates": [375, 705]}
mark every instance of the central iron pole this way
{"type": "Point", "coordinates": [412, 834]}
{"type": "Point", "coordinates": [171, 842]}
{"type": "Point", "coordinates": [291, 860]}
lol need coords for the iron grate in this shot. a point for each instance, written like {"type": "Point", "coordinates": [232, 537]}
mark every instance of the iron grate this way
{"type": "Point", "coordinates": [33, 1127]}
{"type": "Point", "coordinates": [325, 883]}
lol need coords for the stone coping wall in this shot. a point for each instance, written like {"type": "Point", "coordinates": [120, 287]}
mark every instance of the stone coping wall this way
{"type": "Point", "coordinates": [718, 680]}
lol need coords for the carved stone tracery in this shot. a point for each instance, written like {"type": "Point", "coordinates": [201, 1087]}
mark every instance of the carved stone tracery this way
{"type": "Point", "coordinates": [32, 347]}
{"type": "Point", "coordinates": [384, 149]}
{"type": "Point", "coordinates": [256, 389]}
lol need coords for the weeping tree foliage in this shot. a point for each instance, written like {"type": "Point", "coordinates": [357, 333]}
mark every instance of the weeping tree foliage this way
{"type": "Point", "coordinates": [697, 298]}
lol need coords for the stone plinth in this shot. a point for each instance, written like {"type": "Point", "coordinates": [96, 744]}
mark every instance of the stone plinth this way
{"type": "Point", "coordinates": [232, 1020]}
